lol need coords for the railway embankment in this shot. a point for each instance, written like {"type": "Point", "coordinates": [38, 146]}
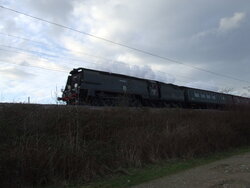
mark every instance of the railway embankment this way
{"type": "Point", "coordinates": [57, 145]}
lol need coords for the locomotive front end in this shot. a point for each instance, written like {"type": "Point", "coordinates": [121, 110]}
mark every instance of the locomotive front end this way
{"type": "Point", "coordinates": [71, 93]}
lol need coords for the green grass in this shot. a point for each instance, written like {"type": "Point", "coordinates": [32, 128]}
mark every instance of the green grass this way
{"type": "Point", "coordinates": [159, 170]}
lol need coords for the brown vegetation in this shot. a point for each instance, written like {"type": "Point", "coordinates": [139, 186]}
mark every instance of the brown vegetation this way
{"type": "Point", "coordinates": [51, 145]}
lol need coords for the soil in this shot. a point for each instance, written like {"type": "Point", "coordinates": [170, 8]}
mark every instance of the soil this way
{"type": "Point", "coordinates": [233, 172]}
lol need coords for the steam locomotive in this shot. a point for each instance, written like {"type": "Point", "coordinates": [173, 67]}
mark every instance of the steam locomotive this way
{"type": "Point", "coordinates": [98, 88]}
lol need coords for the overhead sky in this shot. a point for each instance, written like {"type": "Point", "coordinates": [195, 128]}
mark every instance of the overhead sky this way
{"type": "Point", "coordinates": [209, 41]}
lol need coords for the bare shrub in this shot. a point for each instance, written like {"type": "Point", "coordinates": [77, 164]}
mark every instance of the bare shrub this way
{"type": "Point", "coordinates": [43, 145]}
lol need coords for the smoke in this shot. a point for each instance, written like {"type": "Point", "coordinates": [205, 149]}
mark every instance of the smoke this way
{"type": "Point", "coordinates": [144, 71]}
{"type": "Point", "coordinates": [210, 85]}
{"type": "Point", "coordinates": [244, 92]}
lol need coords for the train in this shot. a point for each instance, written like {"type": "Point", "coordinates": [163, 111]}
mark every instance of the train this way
{"type": "Point", "coordinates": [99, 88]}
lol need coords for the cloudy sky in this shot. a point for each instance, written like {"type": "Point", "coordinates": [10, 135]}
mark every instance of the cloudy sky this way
{"type": "Point", "coordinates": [207, 39]}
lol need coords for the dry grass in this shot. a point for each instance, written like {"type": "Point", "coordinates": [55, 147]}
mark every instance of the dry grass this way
{"type": "Point", "coordinates": [56, 145]}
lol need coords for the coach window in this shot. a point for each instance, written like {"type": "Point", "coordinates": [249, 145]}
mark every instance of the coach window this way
{"type": "Point", "coordinates": [196, 94]}
{"type": "Point", "coordinates": [124, 88]}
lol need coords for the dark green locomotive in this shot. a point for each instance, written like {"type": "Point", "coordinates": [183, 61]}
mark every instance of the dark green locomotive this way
{"type": "Point", "coordinates": [98, 88]}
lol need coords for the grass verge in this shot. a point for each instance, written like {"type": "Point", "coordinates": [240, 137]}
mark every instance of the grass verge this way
{"type": "Point", "coordinates": [161, 169]}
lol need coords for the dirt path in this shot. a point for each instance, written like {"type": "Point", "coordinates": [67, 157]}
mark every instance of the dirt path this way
{"type": "Point", "coordinates": [233, 172]}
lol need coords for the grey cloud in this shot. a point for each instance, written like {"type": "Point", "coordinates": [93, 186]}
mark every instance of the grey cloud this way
{"type": "Point", "coordinates": [231, 22]}
{"type": "Point", "coordinates": [15, 73]}
{"type": "Point", "coordinates": [185, 30]}
{"type": "Point", "coordinates": [8, 24]}
{"type": "Point", "coordinates": [167, 28]}
{"type": "Point", "coordinates": [54, 10]}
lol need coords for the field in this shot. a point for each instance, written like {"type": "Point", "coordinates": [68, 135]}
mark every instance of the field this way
{"type": "Point", "coordinates": [59, 145]}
